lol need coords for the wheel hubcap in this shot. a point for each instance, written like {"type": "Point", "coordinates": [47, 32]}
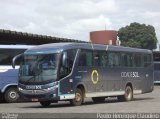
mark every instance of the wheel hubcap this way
{"type": "Point", "coordinates": [128, 93]}
{"type": "Point", "coordinates": [78, 97]}
{"type": "Point", "coordinates": [13, 95]}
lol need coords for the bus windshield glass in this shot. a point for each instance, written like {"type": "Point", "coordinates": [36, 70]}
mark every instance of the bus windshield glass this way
{"type": "Point", "coordinates": [39, 68]}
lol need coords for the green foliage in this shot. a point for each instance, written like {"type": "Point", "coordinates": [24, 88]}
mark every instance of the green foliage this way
{"type": "Point", "coordinates": [138, 36]}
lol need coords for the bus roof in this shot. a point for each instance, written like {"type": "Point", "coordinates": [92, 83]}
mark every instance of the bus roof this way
{"type": "Point", "coordinates": [58, 47]}
{"type": "Point", "coordinates": [15, 46]}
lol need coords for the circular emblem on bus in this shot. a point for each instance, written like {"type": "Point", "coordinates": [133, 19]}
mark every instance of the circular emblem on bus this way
{"type": "Point", "coordinates": [94, 76]}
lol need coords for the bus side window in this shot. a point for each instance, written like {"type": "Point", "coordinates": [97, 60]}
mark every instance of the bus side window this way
{"type": "Point", "coordinates": [127, 60]}
{"type": "Point", "coordinates": [96, 59]}
{"type": "Point", "coordinates": [138, 60]}
{"type": "Point", "coordinates": [110, 59]}
{"type": "Point", "coordinates": [103, 59]}
{"type": "Point", "coordinates": [85, 58]}
{"type": "Point", "coordinates": [113, 59]}
{"type": "Point", "coordinates": [147, 60]}
{"type": "Point", "coordinates": [82, 59]}
{"type": "Point", "coordinates": [6, 56]}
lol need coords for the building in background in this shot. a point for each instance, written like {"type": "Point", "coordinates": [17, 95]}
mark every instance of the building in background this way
{"type": "Point", "coordinates": [107, 37]}
{"type": "Point", "coordinates": [8, 37]}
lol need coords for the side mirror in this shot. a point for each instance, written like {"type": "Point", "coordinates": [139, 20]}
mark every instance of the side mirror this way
{"type": "Point", "coordinates": [64, 59]}
{"type": "Point", "coordinates": [15, 58]}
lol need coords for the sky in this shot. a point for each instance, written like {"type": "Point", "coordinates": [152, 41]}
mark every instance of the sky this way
{"type": "Point", "coordinates": [76, 18]}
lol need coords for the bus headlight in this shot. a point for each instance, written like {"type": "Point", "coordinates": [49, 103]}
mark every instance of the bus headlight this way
{"type": "Point", "coordinates": [53, 87]}
{"type": "Point", "coordinates": [20, 89]}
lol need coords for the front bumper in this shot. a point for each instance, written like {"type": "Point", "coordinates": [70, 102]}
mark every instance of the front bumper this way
{"type": "Point", "coordinates": [39, 95]}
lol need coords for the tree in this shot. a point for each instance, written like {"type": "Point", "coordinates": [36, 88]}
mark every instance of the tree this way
{"type": "Point", "coordinates": [138, 36]}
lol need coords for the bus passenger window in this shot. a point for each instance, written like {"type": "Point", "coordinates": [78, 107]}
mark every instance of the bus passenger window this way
{"type": "Point", "coordinates": [110, 60]}
{"type": "Point", "coordinates": [96, 59]}
{"type": "Point", "coordinates": [100, 58]}
{"type": "Point", "coordinates": [82, 60]}
{"type": "Point", "coordinates": [138, 60]}
{"type": "Point", "coordinates": [103, 59]}
{"type": "Point", "coordinates": [147, 60]}
{"type": "Point", "coordinates": [127, 60]}
{"type": "Point", "coordinates": [113, 59]}
{"type": "Point", "coordinates": [6, 56]}
{"type": "Point", "coordinates": [85, 58]}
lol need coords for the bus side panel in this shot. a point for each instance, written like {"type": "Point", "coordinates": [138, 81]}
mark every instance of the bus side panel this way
{"type": "Point", "coordinates": [140, 78]}
{"type": "Point", "coordinates": [8, 77]}
{"type": "Point", "coordinates": [84, 76]}
{"type": "Point", "coordinates": [69, 84]}
{"type": "Point", "coordinates": [148, 81]}
{"type": "Point", "coordinates": [113, 79]}
{"type": "Point", "coordinates": [134, 76]}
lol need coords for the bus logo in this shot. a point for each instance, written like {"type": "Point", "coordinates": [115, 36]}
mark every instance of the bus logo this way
{"type": "Point", "coordinates": [33, 87]}
{"type": "Point", "coordinates": [94, 80]}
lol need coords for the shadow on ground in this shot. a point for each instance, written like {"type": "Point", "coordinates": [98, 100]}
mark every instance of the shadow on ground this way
{"type": "Point", "coordinates": [67, 104]}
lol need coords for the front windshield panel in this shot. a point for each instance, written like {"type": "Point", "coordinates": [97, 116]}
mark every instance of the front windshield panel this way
{"type": "Point", "coordinates": [39, 68]}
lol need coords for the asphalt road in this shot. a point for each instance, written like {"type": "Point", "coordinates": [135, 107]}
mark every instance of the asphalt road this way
{"type": "Point", "coordinates": [144, 103]}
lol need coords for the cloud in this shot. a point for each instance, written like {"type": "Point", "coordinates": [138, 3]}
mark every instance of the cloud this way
{"type": "Point", "coordinates": [76, 18]}
{"type": "Point", "coordinates": [77, 9]}
{"type": "Point", "coordinates": [81, 28]}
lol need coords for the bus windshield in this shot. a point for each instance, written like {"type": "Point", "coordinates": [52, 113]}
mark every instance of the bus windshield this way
{"type": "Point", "coordinates": [39, 68]}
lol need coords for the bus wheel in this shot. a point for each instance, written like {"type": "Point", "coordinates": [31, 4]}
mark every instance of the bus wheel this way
{"type": "Point", "coordinates": [1, 97]}
{"type": "Point", "coordinates": [128, 96]}
{"type": "Point", "coordinates": [45, 103]}
{"type": "Point", "coordinates": [78, 98]}
{"type": "Point", "coordinates": [11, 95]}
{"type": "Point", "coordinates": [98, 99]}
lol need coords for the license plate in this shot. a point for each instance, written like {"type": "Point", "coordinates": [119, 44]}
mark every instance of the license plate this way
{"type": "Point", "coordinates": [34, 99]}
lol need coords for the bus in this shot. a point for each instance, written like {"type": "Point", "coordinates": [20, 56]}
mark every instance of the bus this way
{"type": "Point", "coordinates": [73, 71]}
{"type": "Point", "coordinates": [8, 75]}
{"type": "Point", "coordinates": [156, 72]}
{"type": "Point", "coordinates": [156, 59]}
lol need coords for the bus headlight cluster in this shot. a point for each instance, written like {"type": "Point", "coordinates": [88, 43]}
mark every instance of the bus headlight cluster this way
{"type": "Point", "coordinates": [20, 89]}
{"type": "Point", "coordinates": [53, 87]}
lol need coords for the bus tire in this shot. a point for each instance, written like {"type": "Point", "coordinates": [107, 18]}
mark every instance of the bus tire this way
{"type": "Point", "coordinates": [11, 95]}
{"type": "Point", "coordinates": [1, 97]}
{"type": "Point", "coordinates": [45, 103]}
{"type": "Point", "coordinates": [98, 99]}
{"type": "Point", "coordinates": [128, 96]}
{"type": "Point", "coordinates": [78, 100]}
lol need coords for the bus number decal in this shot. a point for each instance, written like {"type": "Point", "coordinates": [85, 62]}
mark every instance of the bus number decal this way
{"type": "Point", "coordinates": [94, 80]}
{"type": "Point", "coordinates": [129, 74]}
